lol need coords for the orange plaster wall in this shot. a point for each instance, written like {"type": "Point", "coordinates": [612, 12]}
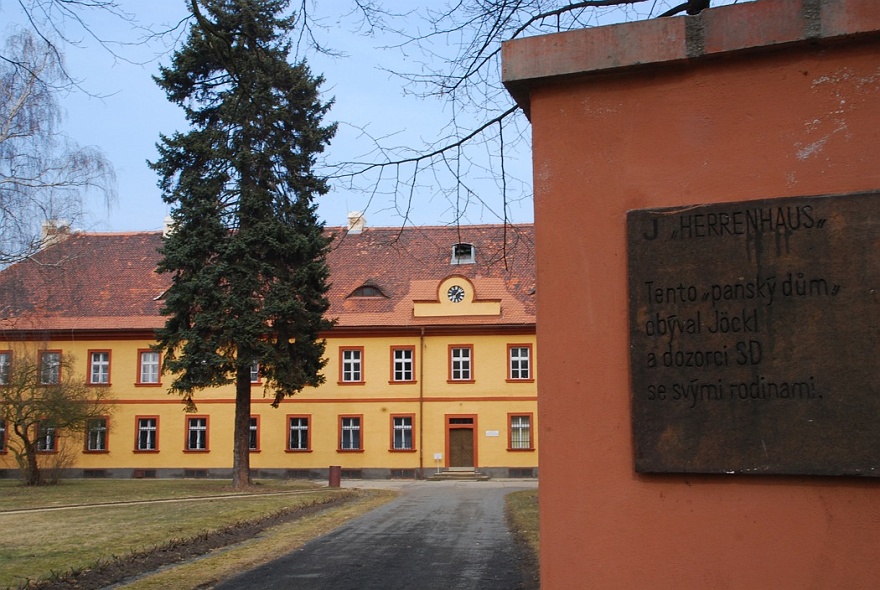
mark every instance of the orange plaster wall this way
{"type": "Point", "coordinates": [794, 121]}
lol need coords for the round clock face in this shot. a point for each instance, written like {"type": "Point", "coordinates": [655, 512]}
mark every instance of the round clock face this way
{"type": "Point", "coordinates": [455, 294]}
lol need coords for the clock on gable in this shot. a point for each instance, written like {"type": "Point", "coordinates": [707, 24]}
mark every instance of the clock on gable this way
{"type": "Point", "coordinates": [455, 296]}
{"type": "Point", "coordinates": [455, 293]}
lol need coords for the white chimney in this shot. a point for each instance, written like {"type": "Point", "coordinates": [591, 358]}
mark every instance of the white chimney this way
{"type": "Point", "coordinates": [168, 227]}
{"type": "Point", "coordinates": [356, 222]}
{"type": "Point", "coordinates": [54, 231]}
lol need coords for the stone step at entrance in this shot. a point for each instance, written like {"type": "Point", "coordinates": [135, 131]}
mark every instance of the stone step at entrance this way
{"type": "Point", "coordinates": [458, 474]}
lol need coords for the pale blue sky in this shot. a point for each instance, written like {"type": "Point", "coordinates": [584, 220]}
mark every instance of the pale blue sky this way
{"type": "Point", "coordinates": [126, 120]}
{"type": "Point", "coordinates": [130, 112]}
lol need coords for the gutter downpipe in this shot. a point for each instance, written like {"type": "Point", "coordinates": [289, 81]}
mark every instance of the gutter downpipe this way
{"type": "Point", "coordinates": [421, 404]}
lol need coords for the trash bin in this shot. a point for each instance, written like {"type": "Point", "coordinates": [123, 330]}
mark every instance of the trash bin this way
{"type": "Point", "coordinates": [335, 475]}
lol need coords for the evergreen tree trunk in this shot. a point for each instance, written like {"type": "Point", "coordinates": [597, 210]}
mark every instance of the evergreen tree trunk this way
{"type": "Point", "coordinates": [241, 455]}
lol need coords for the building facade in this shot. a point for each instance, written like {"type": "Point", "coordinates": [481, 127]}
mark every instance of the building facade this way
{"type": "Point", "coordinates": [773, 99]}
{"type": "Point", "coordinates": [431, 363]}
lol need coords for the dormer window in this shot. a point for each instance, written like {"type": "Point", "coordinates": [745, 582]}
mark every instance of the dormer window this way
{"type": "Point", "coordinates": [463, 254]}
{"type": "Point", "coordinates": [367, 291]}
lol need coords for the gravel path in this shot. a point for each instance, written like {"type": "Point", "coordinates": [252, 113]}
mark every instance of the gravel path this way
{"type": "Point", "coordinates": [436, 535]}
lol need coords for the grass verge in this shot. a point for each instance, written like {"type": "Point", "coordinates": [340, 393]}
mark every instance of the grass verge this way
{"type": "Point", "coordinates": [521, 509]}
{"type": "Point", "coordinates": [71, 492]}
{"type": "Point", "coordinates": [51, 544]}
{"type": "Point", "coordinates": [203, 573]}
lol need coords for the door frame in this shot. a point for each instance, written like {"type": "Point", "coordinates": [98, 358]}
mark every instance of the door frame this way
{"type": "Point", "coordinates": [472, 427]}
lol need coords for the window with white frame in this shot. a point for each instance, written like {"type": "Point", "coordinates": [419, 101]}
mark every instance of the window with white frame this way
{"type": "Point", "coordinates": [520, 362]}
{"type": "Point", "coordinates": [402, 364]}
{"type": "Point", "coordinates": [46, 440]}
{"type": "Point", "coordinates": [460, 358]}
{"type": "Point", "coordinates": [149, 367]}
{"type": "Point", "coordinates": [5, 365]}
{"type": "Point", "coordinates": [350, 433]}
{"type": "Point", "coordinates": [298, 433]}
{"type": "Point", "coordinates": [402, 433]}
{"type": "Point", "coordinates": [520, 431]}
{"type": "Point", "coordinates": [96, 435]}
{"type": "Point", "coordinates": [352, 365]}
{"type": "Point", "coordinates": [255, 372]}
{"type": "Point", "coordinates": [197, 434]}
{"type": "Point", "coordinates": [463, 254]}
{"type": "Point", "coordinates": [50, 368]}
{"type": "Point", "coordinates": [253, 434]}
{"type": "Point", "coordinates": [99, 368]}
{"type": "Point", "coordinates": [147, 434]}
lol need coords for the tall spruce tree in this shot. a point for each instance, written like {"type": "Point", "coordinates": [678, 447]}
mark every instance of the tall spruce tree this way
{"type": "Point", "coordinates": [247, 251]}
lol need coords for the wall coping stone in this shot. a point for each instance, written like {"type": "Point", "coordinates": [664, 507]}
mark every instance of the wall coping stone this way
{"type": "Point", "coordinates": [757, 25]}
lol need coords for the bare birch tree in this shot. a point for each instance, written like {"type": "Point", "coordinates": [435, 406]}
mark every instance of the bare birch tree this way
{"type": "Point", "coordinates": [43, 175]}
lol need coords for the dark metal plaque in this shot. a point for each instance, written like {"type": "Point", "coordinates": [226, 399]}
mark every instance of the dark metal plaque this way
{"type": "Point", "coordinates": [755, 336]}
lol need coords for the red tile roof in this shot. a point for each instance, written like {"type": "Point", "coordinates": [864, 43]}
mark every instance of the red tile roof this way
{"type": "Point", "coordinates": [408, 265]}
{"type": "Point", "coordinates": [87, 281]}
{"type": "Point", "coordinates": [107, 281]}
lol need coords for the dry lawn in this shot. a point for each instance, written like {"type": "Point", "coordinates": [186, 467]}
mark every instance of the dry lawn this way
{"type": "Point", "coordinates": [101, 524]}
{"type": "Point", "coordinates": [95, 521]}
{"type": "Point", "coordinates": [203, 572]}
{"type": "Point", "coordinates": [522, 515]}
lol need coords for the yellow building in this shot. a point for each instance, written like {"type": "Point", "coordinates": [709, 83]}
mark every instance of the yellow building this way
{"type": "Point", "coordinates": [431, 365]}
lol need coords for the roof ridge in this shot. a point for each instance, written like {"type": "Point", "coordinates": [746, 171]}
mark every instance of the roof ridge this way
{"type": "Point", "coordinates": [451, 227]}
{"type": "Point", "coordinates": [116, 233]}
{"type": "Point", "coordinates": [82, 232]}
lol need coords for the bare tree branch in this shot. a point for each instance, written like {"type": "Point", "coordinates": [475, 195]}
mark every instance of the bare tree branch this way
{"type": "Point", "coordinates": [460, 46]}
{"type": "Point", "coordinates": [452, 56]}
{"type": "Point", "coordinates": [43, 175]}
{"type": "Point", "coordinates": [363, 167]}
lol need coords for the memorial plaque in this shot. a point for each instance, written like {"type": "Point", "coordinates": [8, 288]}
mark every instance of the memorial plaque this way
{"type": "Point", "coordinates": [755, 336]}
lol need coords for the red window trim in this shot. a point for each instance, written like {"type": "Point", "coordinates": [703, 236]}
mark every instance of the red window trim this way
{"type": "Point", "coordinates": [259, 380]}
{"type": "Point", "coordinates": [449, 378]}
{"type": "Point", "coordinates": [106, 437]}
{"type": "Point", "coordinates": [259, 432]}
{"type": "Point", "coordinates": [531, 378]}
{"type": "Point", "coordinates": [140, 383]}
{"type": "Point", "coordinates": [287, 448]}
{"type": "Point", "coordinates": [137, 421]}
{"type": "Point", "coordinates": [510, 416]}
{"type": "Point", "coordinates": [339, 448]}
{"type": "Point", "coordinates": [415, 378]}
{"type": "Point", "coordinates": [363, 379]}
{"type": "Point", "coordinates": [60, 354]}
{"type": "Point", "coordinates": [391, 440]}
{"type": "Point", "coordinates": [54, 449]}
{"type": "Point", "coordinates": [109, 367]}
{"type": "Point", "coordinates": [186, 422]}
{"type": "Point", "coordinates": [9, 352]}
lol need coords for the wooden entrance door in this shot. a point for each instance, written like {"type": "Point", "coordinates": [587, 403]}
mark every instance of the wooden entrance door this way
{"type": "Point", "coordinates": [461, 447]}
{"type": "Point", "coordinates": [461, 444]}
